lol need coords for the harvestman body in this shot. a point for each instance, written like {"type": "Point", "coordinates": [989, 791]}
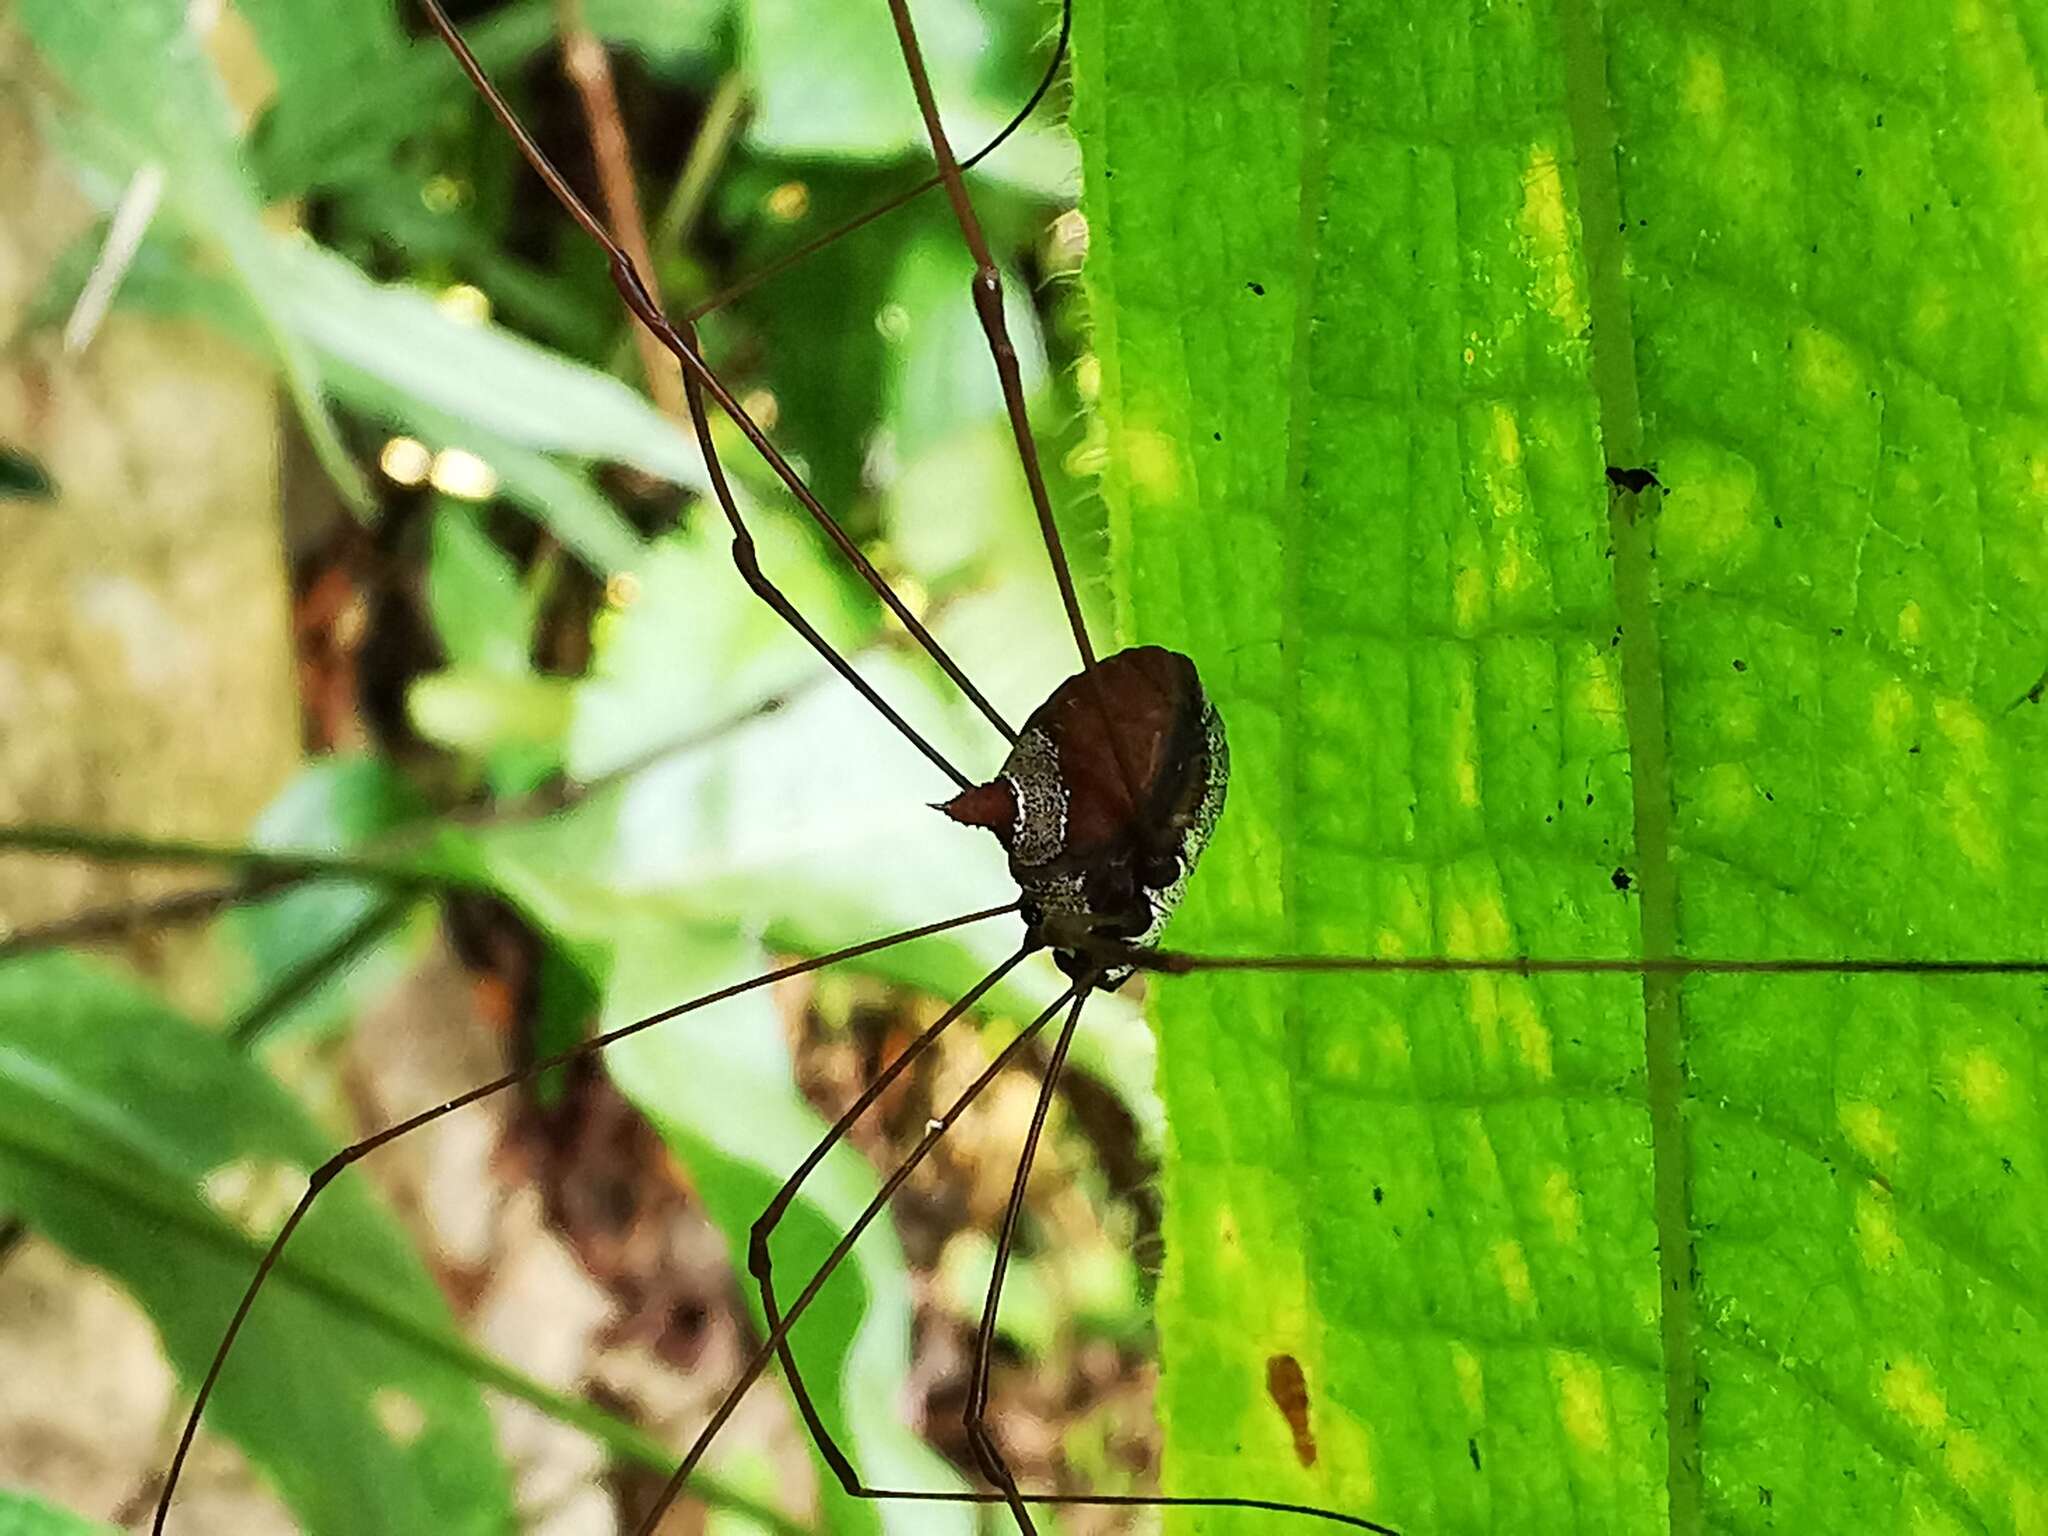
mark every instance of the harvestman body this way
{"type": "Point", "coordinates": [1103, 805]}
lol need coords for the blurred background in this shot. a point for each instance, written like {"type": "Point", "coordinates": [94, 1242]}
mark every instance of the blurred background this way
{"type": "Point", "coordinates": [342, 514]}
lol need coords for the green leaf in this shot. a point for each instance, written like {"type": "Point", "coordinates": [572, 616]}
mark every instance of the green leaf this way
{"type": "Point", "coordinates": [389, 352]}
{"type": "Point", "coordinates": [361, 1430]}
{"type": "Point", "coordinates": [481, 612]}
{"type": "Point", "coordinates": [663, 32]}
{"type": "Point", "coordinates": [347, 131]}
{"type": "Point", "coordinates": [332, 806]}
{"type": "Point", "coordinates": [940, 377]}
{"type": "Point", "coordinates": [23, 1515]}
{"type": "Point", "coordinates": [323, 55]}
{"type": "Point", "coordinates": [479, 710]}
{"type": "Point", "coordinates": [394, 353]}
{"type": "Point", "coordinates": [829, 84]}
{"type": "Point", "coordinates": [140, 71]}
{"type": "Point", "coordinates": [1571, 1254]}
{"type": "Point", "coordinates": [696, 648]}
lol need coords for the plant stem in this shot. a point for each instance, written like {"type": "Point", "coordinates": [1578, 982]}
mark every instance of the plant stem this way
{"type": "Point", "coordinates": [589, 69]}
{"type": "Point", "coordinates": [249, 1026]}
{"type": "Point", "coordinates": [121, 918]}
{"type": "Point", "coordinates": [419, 873]}
{"type": "Point", "coordinates": [708, 150]}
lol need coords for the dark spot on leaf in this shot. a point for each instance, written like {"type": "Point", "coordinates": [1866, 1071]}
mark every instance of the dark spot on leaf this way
{"type": "Point", "coordinates": [1741, 665]}
{"type": "Point", "coordinates": [1472, 1450]}
{"type": "Point", "coordinates": [1763, 1496]}
{"type": "Point", "coordinates": [1217, 435]}
{"type": "Point", "coordinates": [1622, 879]}
{"type": "Point", "coordinates": [1589, 799]}
{"type": "Point", "coordinates": [1836, 632]}
{"type": "Point", "coordinates": [1378, 1195]}
{"type": "Point", "coordinates": [1258, 289]}
{"type": "Point", "coordinates": [1289, 1390]}
{"type": "Point", "coordinates": [1633, 481]}
{"type": "Point", "coordinates": [1913, 750]}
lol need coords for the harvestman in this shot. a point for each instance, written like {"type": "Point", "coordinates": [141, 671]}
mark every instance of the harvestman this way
{"type": "Point", "coordinates": [1103, 804]}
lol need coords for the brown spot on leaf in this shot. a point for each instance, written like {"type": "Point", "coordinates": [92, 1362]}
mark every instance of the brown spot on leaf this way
{"type": "Point", "coordinates": [1289, 1391]}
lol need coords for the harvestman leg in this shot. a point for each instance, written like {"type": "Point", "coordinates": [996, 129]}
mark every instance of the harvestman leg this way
{"type": "Point", "coordinates": [992, 1464]}
{"type": "Point", "coordinates": [987, 291]}
{"type": "Point", "coordinates": [759, 1262]}
{"type": "Point", "coordinates": [988, 307]}
{"type": "Point", "coordinates": [775, 1345]}
{"type": "Point", "coordinates": [778, 1334]}
{"type": "Point", "coordinates": [908, 195]}
{"type": "Point", "coordinates": [326, 1173]}
{"type": "Point", "coordinates": [699, 380]}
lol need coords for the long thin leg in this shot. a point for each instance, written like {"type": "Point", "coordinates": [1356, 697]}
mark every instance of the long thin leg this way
{"type": "Point", "coordinates": [1178, 962]}
{"type": "Point", "coordinates": [759, 1263]}
{"type": "Point", "coordinates": [987, 289]}
{"type": "Point", "coordinates": [326, 1172]}
{"type": "Point", "coordinates": [988, 306]}
{"type": "Point", "coordinates": [810, 248]}
{"type": "Point", "coordinates": [983, 1443]}
{"type": "Point", "coordinates": [682, 341]}
{"type": "Point", "coordinates": [771, 1346]}
{"type": "Point", "coordinates": [781, 1324]}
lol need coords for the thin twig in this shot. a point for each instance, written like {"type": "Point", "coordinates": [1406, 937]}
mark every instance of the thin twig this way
{"type": "Point", "coordinates": [714, 141]}
{"type": "Point", "coordinates": [589, 69]}
{"type": "Point", "coordinates": [292, 988]}
{"type": "Point", "coordinates": [131, 221]}
{"type": "Point", "coordinates": [123, 918]}
{"type": "Point", "coordinates": [420, 872]}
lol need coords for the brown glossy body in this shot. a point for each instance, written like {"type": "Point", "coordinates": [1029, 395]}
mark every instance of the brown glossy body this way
{"type": "Point", "coordinates": [1106, 801]}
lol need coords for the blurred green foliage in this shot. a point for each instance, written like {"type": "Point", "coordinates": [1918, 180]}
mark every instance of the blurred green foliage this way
{"type": "Point", "coordinates": [692, 791]}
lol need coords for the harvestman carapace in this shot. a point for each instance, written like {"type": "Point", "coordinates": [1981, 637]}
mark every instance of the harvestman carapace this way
{"type": "Point", "coordinates": [1103, 804]}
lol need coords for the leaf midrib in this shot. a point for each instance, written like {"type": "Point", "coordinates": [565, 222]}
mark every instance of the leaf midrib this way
{"type": "Point", "coordinates": [1611, 343]}
{"type": "Point", "coordinates": [1313, 173]}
